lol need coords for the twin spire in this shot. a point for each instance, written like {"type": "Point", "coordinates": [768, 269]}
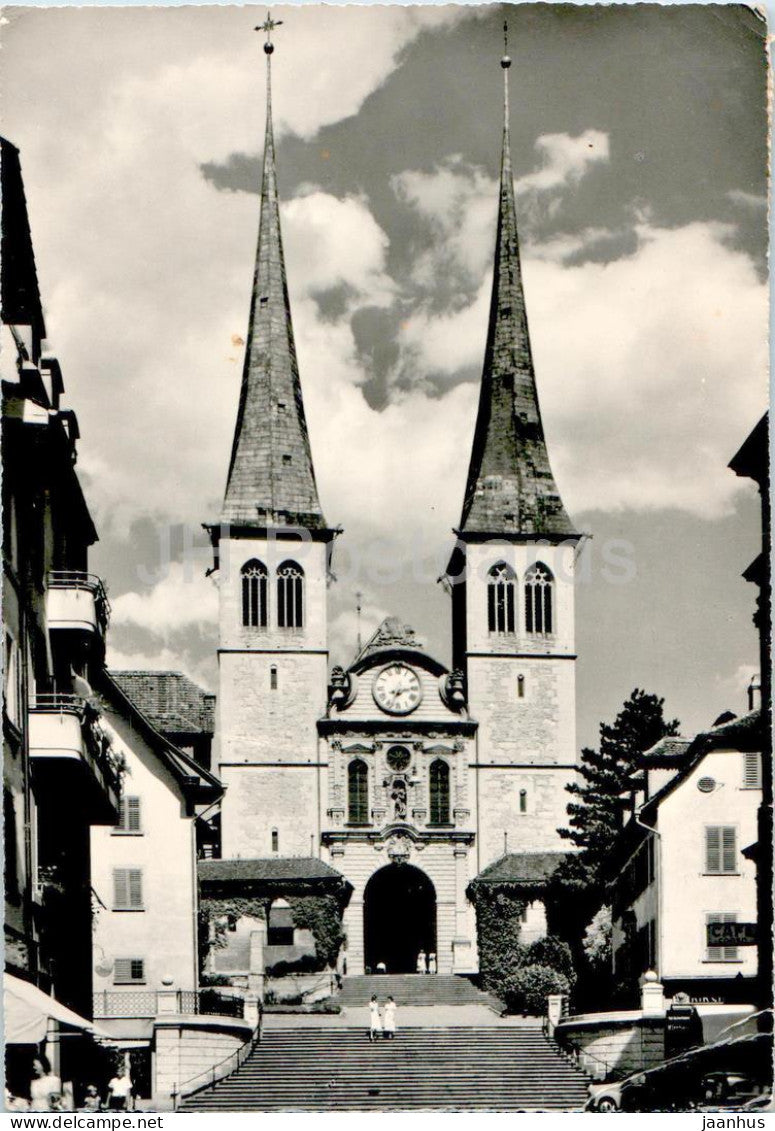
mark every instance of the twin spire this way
{"type": "Point", "coordinates": [510, 487]}
{"type": "Point", "coordinates": [271, 483]}
{"type": "Point", "coordinates": [271, 480]}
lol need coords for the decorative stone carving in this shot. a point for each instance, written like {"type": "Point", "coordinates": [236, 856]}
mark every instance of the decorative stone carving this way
{"type": "Point", "coordinates": [339, 688]}
{"type": "Point", "coordinates": [398, 797]}
{"type": "Point", "coordinates": [399, 847]}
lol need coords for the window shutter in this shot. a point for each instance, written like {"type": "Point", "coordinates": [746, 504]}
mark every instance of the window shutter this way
{"type": "Point", "coordinates": [128, 970]}
{"type": "Point", "coordinates": [135, 888]}
{"type": "Point", "coordinates": [712, 849]}
{"type": "Point", "coordinates": [128, 889]}
{"type": "Point", "coordinates": [721, 953]}
{"type": "Point", "coordinates": [129, 814]}
{"type": "Point", "coordinates": [751, 770]}
{"type": "Point", "coordinates": [728, 849]}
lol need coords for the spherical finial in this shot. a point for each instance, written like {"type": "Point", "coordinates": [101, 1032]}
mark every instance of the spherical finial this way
{"type": "Point", "coordinates": [505, 62]}
{"type": "Point", "coordinates": [268, 48]}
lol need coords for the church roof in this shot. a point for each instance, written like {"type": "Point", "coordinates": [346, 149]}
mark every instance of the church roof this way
{"type": "Point", "coordinates": [171, 701]}
{"type": "Point", "coordinates": [528, 868]}
{"type": "Point", "coordinates": [510, 487]}
{"type": "Point", "coordinates": [271, 481]}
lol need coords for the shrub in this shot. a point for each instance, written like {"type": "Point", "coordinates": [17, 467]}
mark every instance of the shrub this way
{"type": "Point", "coordinates": [526, 990]}
{"type": "Point", "coordinates": [306, 964]}
{"type": "Point", "coordinates": [597, 939]}
{"type": "Point", "coordinates": [554, 953]}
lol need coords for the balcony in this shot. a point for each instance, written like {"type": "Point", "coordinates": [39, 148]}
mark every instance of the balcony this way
{"type": "Point", "coordinates": [127, 1003]}
{"type": "Point", "coordinates": [77, 601]}
{"type": "Point", "coordinates": [72, 756]}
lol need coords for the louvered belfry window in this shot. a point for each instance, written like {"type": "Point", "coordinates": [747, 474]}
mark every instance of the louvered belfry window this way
{"type": "Point", "coordinates": [254, 594]}
{"type": "Point", "coordinates": [501, 598]}
{"type": "Point", "coordinates": [290, 595]}
{"type": "Point", "coordinates": [539, 613]}
{"type": "Point", "coordinates": [720, 849]}
{"type": "Point", "coordinates": [127, 889]}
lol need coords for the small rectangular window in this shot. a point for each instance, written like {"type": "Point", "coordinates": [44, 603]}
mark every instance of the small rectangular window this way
{"type": "Point", "coordinates": [273, 679]}
{"type": "Point", "coordinates": [127, 889]}
{"type": "Point", "coordinates": [720, 849]}
{"type": "Point", "coordinates": [520, 687]}
{"type": "Point", "coordinates": [275, 841]}
{"type": "Point", "coordinates": [752, 770]}
{"type": "Point", "coordinates": [128, 971]}
{"type": "Point", "coordinates": [721, 953]}
{"type": "Point", "coordinates": [129, 815]}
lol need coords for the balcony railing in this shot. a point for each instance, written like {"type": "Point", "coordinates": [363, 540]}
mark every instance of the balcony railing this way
{"type": "Point", "coordinates": [78, 600]}
{"type": "Point", "coordinates": [64, 729]}
{"type": "Point", "coordinates": [151, 1003]}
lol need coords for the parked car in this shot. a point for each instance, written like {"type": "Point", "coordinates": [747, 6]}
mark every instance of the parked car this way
{"type": "Point", "coordinates": [618, 1095]}
{"type": "Point", "coordinates": [729, 1089]}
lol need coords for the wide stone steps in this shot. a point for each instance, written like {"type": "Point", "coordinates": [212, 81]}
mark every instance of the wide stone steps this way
{"type": "Point", "coordinates": [498, 1068]}
{"type": "Point", "coordinates": [412, 989]}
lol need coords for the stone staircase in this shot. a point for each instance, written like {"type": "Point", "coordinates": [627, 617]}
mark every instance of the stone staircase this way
{"type": "Point", "coordinates": [414, 989]}
{"type": "Point", "coordinates": [481, 1068]}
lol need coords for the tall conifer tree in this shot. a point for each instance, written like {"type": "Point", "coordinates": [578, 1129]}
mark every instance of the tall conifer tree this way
{"type": "Point", "coordinates": [594, 816]}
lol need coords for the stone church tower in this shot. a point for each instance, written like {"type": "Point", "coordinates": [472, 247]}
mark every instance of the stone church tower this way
{"type": "Point", "coordinates": [272, 551]}
{"type": "Point", "coordinates": [511, 577]}
{"type": "Point", "coordinates": [406, 778]}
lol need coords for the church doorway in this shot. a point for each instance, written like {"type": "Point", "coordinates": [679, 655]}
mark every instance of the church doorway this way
{"type": "Point", "coordinates": [399, 918]}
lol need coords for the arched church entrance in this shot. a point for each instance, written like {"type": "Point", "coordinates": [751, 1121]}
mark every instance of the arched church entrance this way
{"type": "Point", "coordinates": [399, 918]}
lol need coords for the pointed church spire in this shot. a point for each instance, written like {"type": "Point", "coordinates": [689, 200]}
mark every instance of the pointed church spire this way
{"type": "Point", "coordinates": [510, 487]}
{"type": "Point", "coordinates": [271, 479]}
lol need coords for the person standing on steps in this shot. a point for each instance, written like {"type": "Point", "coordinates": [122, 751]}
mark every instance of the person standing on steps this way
{"type": "Point", "coordinates": [431, 963]}
{"type": "Point", "coordinates": [375, 1019]}
{"type": "Point", "coordinates": [390, 1019]}
{"type": "Point", "coordinates": [421, 968]}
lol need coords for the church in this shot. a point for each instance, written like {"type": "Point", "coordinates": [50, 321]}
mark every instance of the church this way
{"type": "Point", "coordinates": [404, 776]}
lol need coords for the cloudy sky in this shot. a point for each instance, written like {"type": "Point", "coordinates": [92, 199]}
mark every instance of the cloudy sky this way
{"type": "Point", "coordinates": [638, 141]}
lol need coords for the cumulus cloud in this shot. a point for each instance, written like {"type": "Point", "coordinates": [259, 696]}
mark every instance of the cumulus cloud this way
{"type": "Point", "coordinates": [633, 356]}
{"type": "Point", "coordinates": [182, 599]}
{"type": "Point", "coordinates": [564, 160]}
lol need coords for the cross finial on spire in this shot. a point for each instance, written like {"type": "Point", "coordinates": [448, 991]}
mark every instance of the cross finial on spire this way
{"type": "Point", "coordinates": [268, 26]}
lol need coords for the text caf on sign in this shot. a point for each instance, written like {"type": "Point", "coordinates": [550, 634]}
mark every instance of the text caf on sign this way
{"type": "Point", "coordinates": [732, 934]}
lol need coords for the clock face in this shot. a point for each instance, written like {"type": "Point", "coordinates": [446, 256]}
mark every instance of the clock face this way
{"type": "Point", "coordinates": [397, 689]}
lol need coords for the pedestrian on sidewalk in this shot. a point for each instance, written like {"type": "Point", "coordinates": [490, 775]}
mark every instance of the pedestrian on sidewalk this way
{"type": "Point", "coordinates": [390, 1019]}
{"type": "Point", "coordinates": [431, 963]}
{"type": "Point", "coordinates": [375, 1019]}
{"type": "Point", "coordinates": [421, 968]}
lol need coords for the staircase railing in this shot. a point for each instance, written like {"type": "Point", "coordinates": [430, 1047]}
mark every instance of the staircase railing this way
{"type": "Point", "coordinates": [579, 1057]}
{"type": "Point", "coordinates": [210, 1077]}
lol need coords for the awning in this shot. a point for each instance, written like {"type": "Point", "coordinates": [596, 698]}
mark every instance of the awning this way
{"type": "Point", "coordinates": [27, 1012]}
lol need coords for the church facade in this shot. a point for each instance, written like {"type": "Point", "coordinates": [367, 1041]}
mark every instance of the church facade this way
{"type": "Point", "coordinates": [406, 776]}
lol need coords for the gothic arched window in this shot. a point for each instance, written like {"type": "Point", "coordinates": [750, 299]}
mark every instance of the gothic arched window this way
{"type": "Point", "coordinates": [539, 584]}
{"type": "Point", "coordinates": [439, 781]}
{"type": "Point", "coordinates": [290, 595]}
{"type": "Point", "coordinates": [501, 598]}
{"type": "Point", "coordinates": [254, 594]}
{"type": "Point", "coordinates": [357, 793]}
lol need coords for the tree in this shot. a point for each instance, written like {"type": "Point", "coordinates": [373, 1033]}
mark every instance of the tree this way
{"type": "Point", "coordinates": [594, 818]}
{"type": "Point", "coordinates": [597, 940]}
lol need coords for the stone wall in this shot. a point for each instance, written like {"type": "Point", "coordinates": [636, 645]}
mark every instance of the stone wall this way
{"type": "Point", "coordinates": [261, 798]}
{"type": "Point", "coordinates": [612, 1046]}
{"type": "Point", "coordinates": [186, 1047]}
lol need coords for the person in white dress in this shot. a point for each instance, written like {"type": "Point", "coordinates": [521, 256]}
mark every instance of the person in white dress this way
{"type": "Point", "coordinates": [431, 963]}
{"type": "Point", "coordinates": [421, 969]}
{"type": "Point", "coordinates": [375, 1019]}
{"type": "Point", "coordinates": [45, 1088]}
{"type": "Point", "coordinates": [390, 1019]}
